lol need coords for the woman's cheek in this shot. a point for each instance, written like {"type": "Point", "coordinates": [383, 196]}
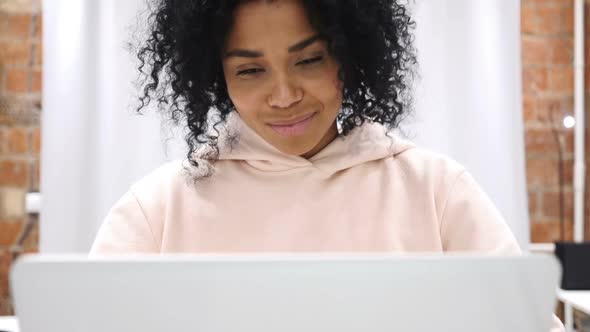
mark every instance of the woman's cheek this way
{"type": "Point", "coordinates": [242, 96]}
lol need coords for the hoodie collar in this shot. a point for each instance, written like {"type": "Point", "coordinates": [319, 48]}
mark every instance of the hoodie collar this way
{"type": "Point", "coordinates": [366, 143]}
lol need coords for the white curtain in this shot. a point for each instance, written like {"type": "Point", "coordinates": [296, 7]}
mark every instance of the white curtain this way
{"type": "Point", "coordinates": [94, 147]}
{"type": "Point", "coordinates": [468, 99]}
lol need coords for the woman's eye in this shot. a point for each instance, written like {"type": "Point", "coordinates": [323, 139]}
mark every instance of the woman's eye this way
{"type": "Point", "coordinates": [310, 60]}
{"type": "Point", "coordinates": [249, 72]}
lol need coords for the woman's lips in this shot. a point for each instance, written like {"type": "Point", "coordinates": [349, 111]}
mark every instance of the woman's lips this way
{"type": "Point", "coordinates": [293, 128]}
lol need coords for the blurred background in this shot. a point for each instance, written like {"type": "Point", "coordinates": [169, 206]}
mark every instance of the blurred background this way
{"type": "Point", "coordinates": [496, 92]}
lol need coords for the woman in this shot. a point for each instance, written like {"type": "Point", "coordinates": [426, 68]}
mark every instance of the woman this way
{"type": "Point", "coordinates": [290, 107]}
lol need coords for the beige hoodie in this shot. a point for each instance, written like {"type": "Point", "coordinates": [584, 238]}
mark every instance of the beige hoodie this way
{"type": "Point", "coordinates": [363, 192]}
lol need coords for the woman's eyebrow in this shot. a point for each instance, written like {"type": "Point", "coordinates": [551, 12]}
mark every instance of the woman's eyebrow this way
{"type": "Point", "coordinates": [243, 53]}
{"type": "Point", "coordinates": [303, 44]}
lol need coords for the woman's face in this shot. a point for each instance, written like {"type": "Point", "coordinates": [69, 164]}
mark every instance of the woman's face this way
{"type": "Point", "coordinates": [281, 78]}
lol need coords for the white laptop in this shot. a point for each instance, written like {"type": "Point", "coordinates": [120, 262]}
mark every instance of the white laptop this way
{"type": "Point", "coordinates": [285, 293]}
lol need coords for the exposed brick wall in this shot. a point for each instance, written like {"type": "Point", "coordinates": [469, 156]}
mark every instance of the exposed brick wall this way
{"type": "Point", "coordinates": [20, 104]}
{"type": "Point", "coordinates": [547, 28]}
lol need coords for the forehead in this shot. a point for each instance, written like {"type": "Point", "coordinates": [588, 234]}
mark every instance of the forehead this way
{"type": "Point", "coordinates": [266, 24]}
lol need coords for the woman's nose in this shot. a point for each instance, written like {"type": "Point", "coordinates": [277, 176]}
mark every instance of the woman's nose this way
{"type": "Point", "coordinates": [285, 93]}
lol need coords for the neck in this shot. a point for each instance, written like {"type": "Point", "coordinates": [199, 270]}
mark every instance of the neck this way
{"type": "Point", "coordinates": [330, 135]}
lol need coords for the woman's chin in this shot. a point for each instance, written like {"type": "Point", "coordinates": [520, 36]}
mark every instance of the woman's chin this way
{"type": "Point", "coordinates": [304, 146]}
{"type": "Point", "coordinates": [297, 148]}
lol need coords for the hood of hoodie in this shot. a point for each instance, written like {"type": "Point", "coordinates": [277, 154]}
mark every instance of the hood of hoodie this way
{"type": "Point", "coordinates": [369, 142]}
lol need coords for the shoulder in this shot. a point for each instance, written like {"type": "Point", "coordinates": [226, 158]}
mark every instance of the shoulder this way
{"type": "Point", "coordinates": [165, 175]}
{"type": "Point", "coordinates": [423, 166]}
{"type": "Point", "coordinates": [168, 180]}
{"type": "Point", "coordinates": [135, 222]}
{"type": "Point", "coordinates": [468, 219]}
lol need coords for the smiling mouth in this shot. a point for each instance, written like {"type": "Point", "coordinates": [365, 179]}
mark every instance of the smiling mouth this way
{"type": "Point", "coordinates": [293, 127]}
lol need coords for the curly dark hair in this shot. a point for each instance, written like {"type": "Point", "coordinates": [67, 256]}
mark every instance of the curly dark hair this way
{"type": "Point", "coordinates": [181, 62]}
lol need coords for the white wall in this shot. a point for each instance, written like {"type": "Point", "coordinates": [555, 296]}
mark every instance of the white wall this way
{"type": "Point", "coordinates": [468, 102]}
